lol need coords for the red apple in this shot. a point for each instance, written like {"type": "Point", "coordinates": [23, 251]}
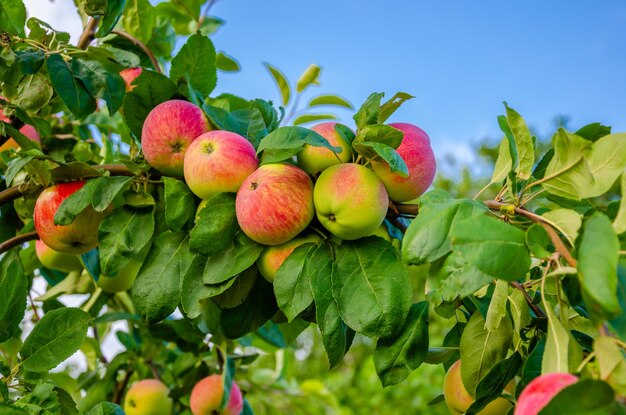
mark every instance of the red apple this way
{"type": "Point", "coordinates": [416, 152]}
{"type": "Point", "coordinates": [350, 201]}
{"type": "Point", "coordinates": [59, 261]}
{"type": "Point", "coordinates": [28, 130]}
{"type": "Point", "coordinates": [129, 75]}
{"type": "Point", "coordinates": [76, 238]}
{"type": "Point", "coordinates": [540, 391]}
{"type": "Point", "coordinates": [275, 203]}
{"type": "Point", "coordinates": [218, 161]}
{"type": "Point", "coordinates": [273, 257]}
{"type": "Point", "coordinates": [148, 397]}
{"type": "Point", "coordinates": [206, 397]}
{"type": "Point", "coordinates": [168, 131]}
{"type": "Point", "coordinates": [459, 400]}
{"type": "Point", "coordinates": [313, 159]}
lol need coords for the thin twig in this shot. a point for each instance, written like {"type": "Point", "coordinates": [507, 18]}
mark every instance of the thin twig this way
{"type": "Point", "coordinates": [536, 309]}
{"type": "Point", "coordinates": [141, 46]}
{"type": "Point", "coordinates": [17, 240]}
{"type": "Point", "coordinates": [205, 12]}
{"type": "Point", "coordinates": [88, 34]}
{"type": "Point", "coordinates": [117, 397]}
{"type": "Point", "coordinates": [32, 304]}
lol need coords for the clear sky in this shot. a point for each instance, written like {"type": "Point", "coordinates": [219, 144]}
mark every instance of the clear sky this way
{"type": "Point", "coordinates": [461, 59]}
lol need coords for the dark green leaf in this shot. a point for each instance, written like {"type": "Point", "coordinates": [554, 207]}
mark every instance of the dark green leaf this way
{"type": "Point", "coordinates": [247, 122]}
{"type": "Point", "coordinates": [111, 17]}
{"type": "Point", "coordinates": [285, 142]}
{"type": "Point", "coordinates": [593, 132]}
{"type": "Point", "coordinates": [371, 286]}
{"type": "Point", "coordinates": [452, 277]}
{"type": "Point", "coordinates": [292, 284]}
{"type": "Point", "coordinates": [42, 399]}
{"type": "Point", "coordinates": [538, 241]}
{"type": "Point", "coordinates": [237, 257]}
{"type": "Point", "coordinates": [237, 290]}
{"type": "Point", "coordinates": [179, 203]}
{"type": "Point", "coordinates": [380, 133]}
{"type": "Point", "coordinates": [106, 408]}
{"type": "Point", "coordinates": [29, 61]}
{"type": "Point", "coordinates": [195, 65]}
{"type": "Point", "coordinates": [372, 150]}
{"type": "Point", "coordinates": [66, 402]}
{"type": "Point", "coordinates": [618, 324]}
{"type": "Point", "coordinates": [585, 397]}
{"type": "Point", "coordinates": [101, 80]}
{"type": "Point", "coordinates": [215, 226]}
{"type": "Point", "coordinates": [369, 111]}
{"type": "Point", "coordinates": [54, 338]}
{"type": "Point", "coordinates": [252, 313]}
{"type": "Point", "coordinates": [193, 291]}
{"type": "Point", "coordinates": [491, 387]}
{"type": "Point", "coordinates": [397, 356]}
{"type": "Point", "coordinates": [532, 367]}
{"type": "Point", "coordinates": [14, 288]}
{"type": "Point", "coordinates": [12, 17]}
{"type": "Point", "coordinates": [392, 105]}
{"type": "Point", "coordinates": [70, 88]}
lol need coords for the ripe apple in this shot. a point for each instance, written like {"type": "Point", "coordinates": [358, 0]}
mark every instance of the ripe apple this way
{"type": "Point", "coordinates": [458, 399]}
{"type": "Point", "coordinates": [28, 130]}
{"type": "Point", "coordinates": [351, 202]}
{"type": "Point", "coordinates": [275, 203]}
{"type": "Point", "coordinates": [129, 75]}
{"type": "Point", "coordinates": [218, 161]}
{"type": "Point", "coordinates": [314, 159]}
{"type": "Point", "coordinates": [206, 397]}
{"type": "Point", "coordinates": [416, 152]}
{"type": "Point", "coordinates": [540, 391]}
{"type": "Point", "coordinates": [59, 261]}
{"type": "Point", "coordinates": [148, 397]}
{"type": "Point", "coordinates": [273, 257]}
{"type": "Point", "coordinates": [76, 238]}
{"type": "Point", "coordinates": [168, 131]}
{"type": "Point", "coordinates": [123, 280]}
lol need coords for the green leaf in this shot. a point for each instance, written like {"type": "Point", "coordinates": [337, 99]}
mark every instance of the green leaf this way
{"type": "Point", "coordinates": [538, 241]}
{"type": "Point", "coordinates": [195, 65]}
{"type": "Point", "coordinates": [371, 286]}
{"type": "Point", "coordinates": [190, 7]}
{"type": "Point", "coordinates": [497, 306]}
{"type": "Point", "coordinates": [566, 221]}
{"type": "Point", "coordinates": [193, 291]}
{"type": "Point", "coordinates": [567, 174]}
{"type": "Point", "coordinates": [179, 203]}
{"type": "Point", "coordinates": [215, 226]}
{"type": "Point", "coordinates": [150, 90]}
{"type": "Point", "coordinates": [397, 356]}
{"type": "Point", "coordinates": [392, 105]}
{"type": "Point", "coordinates": [504, 162]}
{"type": "Point", "coordinates": [42, 399]}
{"type": "Point", "coordinates": [33, 93]}
{"type": "Point", "coordinates": [619, 223]}
{"type": "Point", "coordinates": [7, 409]}
{"type": "Point", "coordinates": [373, 150]}
{"type": "Point", "coordinates": [523, 143]}
{"type": "Point", "coordinates": [585, 397]}
{"type": "Point", "coordinates": [329, 99]}
{"type": "Point", "coordinates": [606, 161]}
{"type": "Point", "coordinates": [285, 142]}
{"type": "Point", "coordinates": [482, 349]}
{"type": "Point", "coordinates": [281, 82]}
{"type": "Point", "coordinates": [336, 336]}
{"type": "Point", "coordinates": [597, 263]}
{"type": "Point", "coordinates": [252, 313]}
{"type": "Point", "coordinates": [105, 408]}
{"type": "Point", "coordinates": [237, 257]}
{"type": "Point", "coordinates": [114, 11]}
{"type": "Point", "coordinates": [618, 324]}
{"type": "Point", "coordinates": [139, 19]}
{"type": "Point", "coordinates": [66, 402]}
{"type": "Point", "coordinates": [247, 122]}
{"type": "Point", "coordinates": [556, 352]}
{"type": "Point", "coordinates": [454, 277]}
{"type": "Point", "coordinates": [156, 291]}
{"type": "Point", "coordinates": [101, 80]}
{"type": "Point", "coordinates": [308, 77]}
{"type": "Point", "coordinates": [292, 285]}
{"type": "Point", "coordinates": [237, 290]}
{"type": "Point", "coordinates": [122, 235]}
{"type": "Point", "coordinates": [14, 288]}
{"type": "Point", "coordinates": [593, 132]}
{"type": "Point", "coordinates": [70, 88]}
{"type": "Point", "coordinates": [12, 17]}
{"type": "Point", "coordinates": [226, 63]}
{"type": "Point", "coordinates": [54, 338]}
{"type": "Point", "coordinates": [380, 133]}
{"type": "Point", "coordinates": [492, 385]}
{"type": "Point", "coordinates": [532, 367]}
{"type": "Point", "coordinates": [369, 111]}
{"type": "Point", "coordinates": [428, 236]}
{"type": "Point", "coordinates": [306, 118]}
{"type": "Point", "coordinates": [492, 246]}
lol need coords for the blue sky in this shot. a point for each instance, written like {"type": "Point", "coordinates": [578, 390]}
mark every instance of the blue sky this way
{"type": "Point", "coordinates": [460, 59]}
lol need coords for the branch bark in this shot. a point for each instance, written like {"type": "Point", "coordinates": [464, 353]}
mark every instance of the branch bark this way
{"type": "Point", "coordinates": [88, 33]}
{"type": "Point", "coordinates": [538, 311]}
{"type": "Point", "coordinates": [141, 46]}
{"type": "Point", "coordinates": [17, 240]}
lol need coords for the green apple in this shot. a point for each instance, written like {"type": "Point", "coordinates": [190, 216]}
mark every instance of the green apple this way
{"type": "Point", "coordinates": [56, 260]}
{"type": "Point", "coordinates": [123, 280]}
{"type": "Point", "coordinates": [148, 397]}
{"type": "Point", "coordinates": [206, 397]}
{"type": "Point", "coordinates": [458, 399]}
{"type": "Point", "coordinates": [273, 257]}
{"type": "Point", "coordinates": [350, 201]}
{"type": "Point", "coordinates": [313, 159]}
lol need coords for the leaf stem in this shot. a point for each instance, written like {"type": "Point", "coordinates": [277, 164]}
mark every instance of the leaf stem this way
{"type": "Point", "coordinates": [536, 309]}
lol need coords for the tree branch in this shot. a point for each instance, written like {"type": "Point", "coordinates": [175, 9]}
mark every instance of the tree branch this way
{"type": "Point", "coordinates": [552, 233]}
{"type": "Point", "coordinates": [17, 240]}
{"type": "Point", "coordinates": [88, 34]}
{"type": "Point", "coordinates": [141, 46]}
{"type": "Point", "coordinates": [538, 311]}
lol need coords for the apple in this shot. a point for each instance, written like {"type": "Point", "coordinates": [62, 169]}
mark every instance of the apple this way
{"type": "Point", "coordinates": [129, 75]}
{"type": "Point", "coordinates": [206, 397]}
{"type": "Point", "coordinates": [168, 131]}
{"type": "Point", "coordinates": [217, 162]}
{"type": "Point", "coordinates": [458, 399]}
{"type": "Point", "coordinates": [148, 397]}
{"type": "Point", "coordinates": [76, 238]}
{"type": "Point", "coordinates": [313, 159]}
{"type": "Point", "coordinates": [275, 203]}
{"type": "Point", "coordinates": [59, 261]}
{"type": "Point", "coordinates": [273, 257]}
{"type": "Point", "coordinates": [123, 280]}
{"type": "Point", "coordinates": [540, 391]}
{"type": "Point", "coordinates": [29, 131]}
{"type": "Point", "coordinates": [350, 200]}
{"type": "Point", "coordinates": [416, 152]}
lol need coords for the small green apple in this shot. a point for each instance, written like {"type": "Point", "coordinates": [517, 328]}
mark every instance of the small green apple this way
{"type": "Point", "coordinates": [273, 257]}
{"type": "Point", "coordinates": [123, 280]}
{"type": "Point", "coordinates": [56, 260]}
{"type": "Point", "coordinates": [148, 397]}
